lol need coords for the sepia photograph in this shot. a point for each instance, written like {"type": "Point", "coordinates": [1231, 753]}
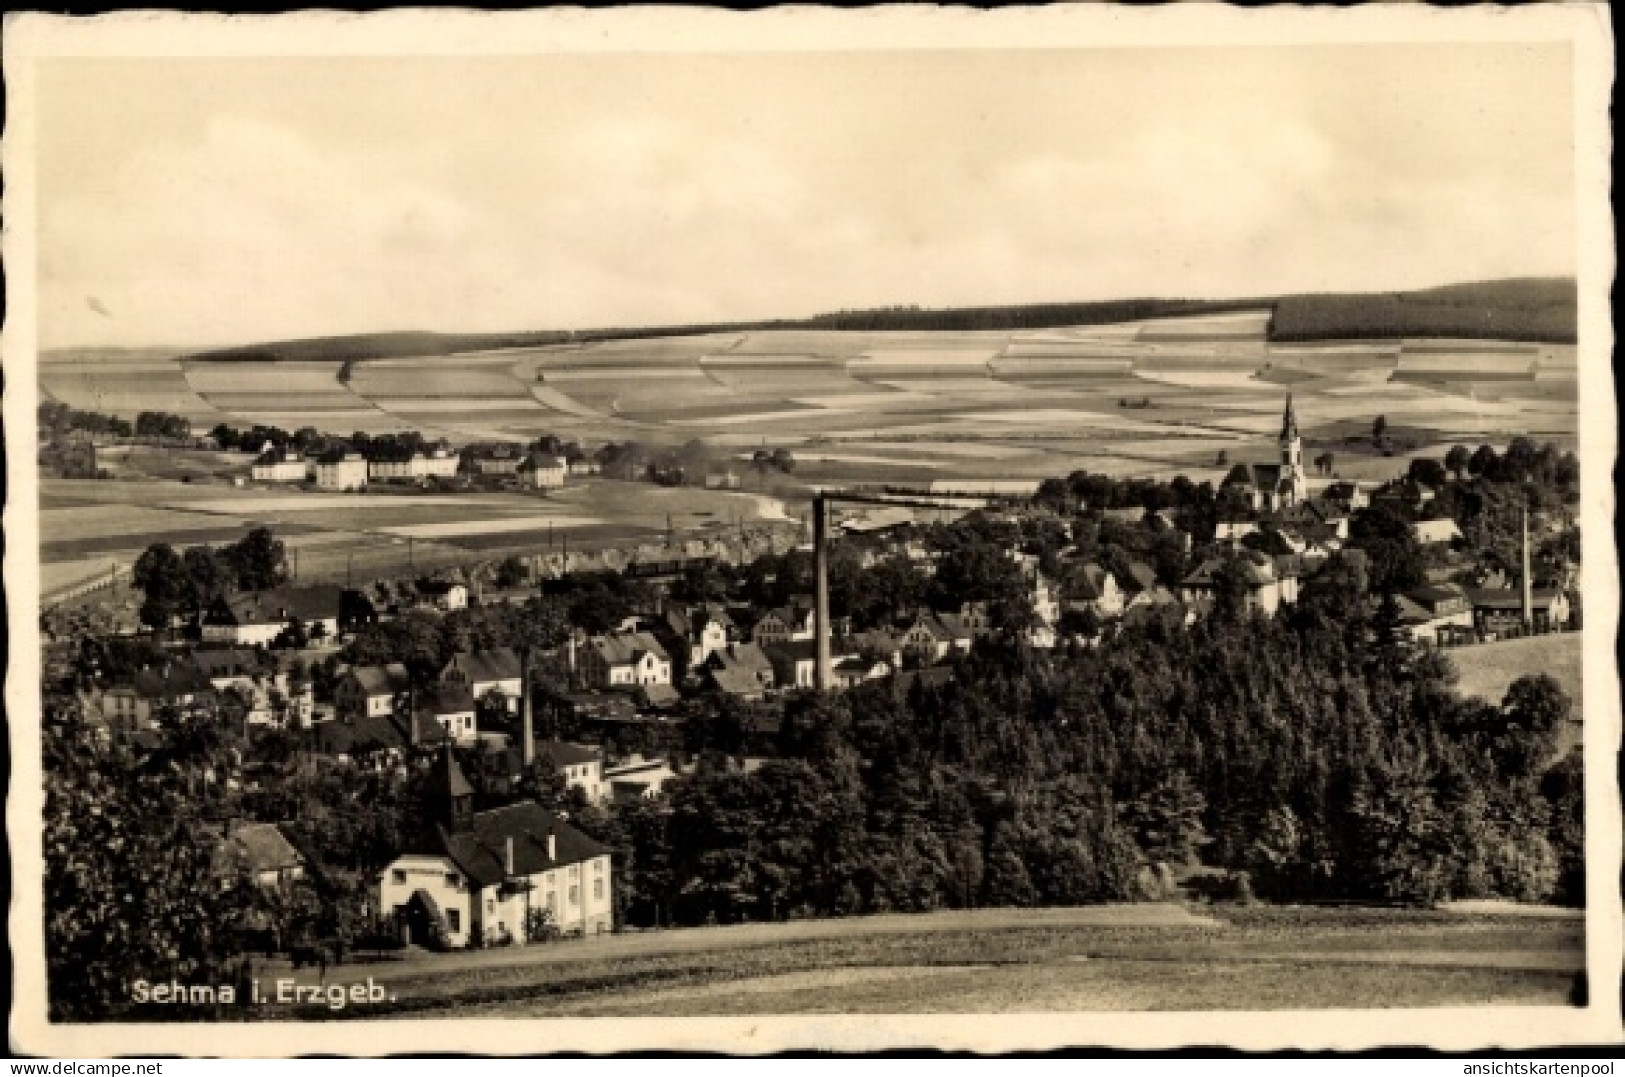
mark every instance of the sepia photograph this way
{"type": "Point", "coordinates": [666, 528]}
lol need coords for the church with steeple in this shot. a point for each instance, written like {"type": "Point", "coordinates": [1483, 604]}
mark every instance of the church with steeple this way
{"type": "Point", "coordinates": [1277, 486]}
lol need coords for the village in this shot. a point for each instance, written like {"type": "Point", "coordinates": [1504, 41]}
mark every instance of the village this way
{"type": "Point", "coordinates": [526, 712]}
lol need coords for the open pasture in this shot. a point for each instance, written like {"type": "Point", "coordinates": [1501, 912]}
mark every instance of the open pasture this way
{"type": "Point", "coordinates": [1488, 669]}
{"type": "Point", "coordinates": [1092, 958]}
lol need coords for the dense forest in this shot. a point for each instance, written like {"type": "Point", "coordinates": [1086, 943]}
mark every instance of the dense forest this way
{"type": "Point", "coordinates": [1535, 310]}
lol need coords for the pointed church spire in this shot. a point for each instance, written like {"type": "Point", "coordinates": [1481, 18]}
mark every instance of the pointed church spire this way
{"type": "Point", "coordinates": [1289, 422]}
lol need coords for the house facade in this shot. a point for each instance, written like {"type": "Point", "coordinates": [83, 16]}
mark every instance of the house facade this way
{"type": "Point", "coordinates": [543, 472]}
{"type": "Point", "coordinates": [511, 874]}
{"type": "Point", "coordinates": [370, 691]}
{"type": "Point", "coordinates": [624, 659]}
{"type": "Point", "coordinates": [255, 618]}
{"type": "Point", "coordinates": [481, 672]}
{"type": "Point", "coordinates": [341, 471]}
{"type": "Point", "coordinates": [278, 465]}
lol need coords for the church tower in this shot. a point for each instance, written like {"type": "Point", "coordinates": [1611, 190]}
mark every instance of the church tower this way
{"type": "Point", "coordinates": [1294, 481]}
{"type": "Point", "coordinates": [450, 793]}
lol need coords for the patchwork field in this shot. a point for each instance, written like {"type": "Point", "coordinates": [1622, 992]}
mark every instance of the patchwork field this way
{"type": "Point", "coordinates": [89, 528]}
{"type": "Point", "coordinates": [1147, 398]}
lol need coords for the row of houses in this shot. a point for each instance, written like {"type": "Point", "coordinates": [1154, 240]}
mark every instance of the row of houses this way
{"type": "Point", "coordinates": [347, 470]}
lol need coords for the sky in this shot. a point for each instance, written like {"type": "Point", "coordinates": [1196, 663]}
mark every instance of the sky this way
{"type": "Point", "coordinates": [205, 202]}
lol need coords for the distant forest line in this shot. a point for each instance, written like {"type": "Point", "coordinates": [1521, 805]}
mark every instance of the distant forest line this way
{"type": "Point", "coordinates": [1541, 310]}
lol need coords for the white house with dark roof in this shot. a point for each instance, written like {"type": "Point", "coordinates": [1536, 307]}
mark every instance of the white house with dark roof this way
{"type": "Point", "coordinates": [370, 691]}
{"type": "Point", "coordinates": [581, 767]}
{"type": "Point", "coordinates": [451, 705]}
{"type": "Point", "coordinates": [484, 878]}
{"type": "Point", "coordinates": [279, 465]}
{"type": "Point", "coordinates": [481, 672]}
{"type": "Point", "coordinates": [251, 618]}
{"type": "Point", "coordinates": [341, 470]}
{"type": "Point", "coordinates": [624, 659]}
{"type": "Point", "coordinates": [543, 472]}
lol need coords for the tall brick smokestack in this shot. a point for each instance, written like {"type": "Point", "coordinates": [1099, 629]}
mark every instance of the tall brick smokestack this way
{"type": "Point", "coordinates": [1527, 584]}
{"type": "Point", "coordinates": [527, 730]}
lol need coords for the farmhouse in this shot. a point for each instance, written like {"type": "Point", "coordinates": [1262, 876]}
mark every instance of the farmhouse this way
{"type": "Point", "coordinates": [134, 704]}
{"type": "Point", "coordinates": [625, 659]}
{"type": "Point", "coordinates": [784, 624]}
{"type": "Point", "coordinates": [795, 661]}
{"type": "Point", "coordinates": [746, 660]}
{"type": "Point", "coordinates": [581, 767]}
{"type": "Point", "coordinates": [279, 465]}
{"type": "Point", "coordinates": [271, 699]}
{"type": "Point", "coordinates": [439, 462]}
{"type": "Point", "coordinates": [452, 706]}
{"type": "Point", "coordinates": [444, 594]}
{"type": "Point", "coordinates": [639, 778]}
{"type": "Point", "coordinates": [482, 672]}
{"type": "Point", "coordinates": [1437, 614]}
{"type": "Point", "coordinates": [930, 636]}
{"type": "Point", "coordinates": [500, 461]}
{"type": "Point", "coordinates": [693, 632]}
{"type": "Point", "coordinates": [264, 852]}
{"type": "Point", "coordinates": [370, 691]}
{"type": "Point", "coordinates": [509, 875]}
{"type": "Point", "coordinates": [1268, 584]}
{"type": "Point", "coordinates": [1498, 611]}
{"type": "Point", "coordinates": [341, 469]}
{"type": "Point", "coordinates": [255, 618]}
{"type": "Point", "coordinates": [543, 472]}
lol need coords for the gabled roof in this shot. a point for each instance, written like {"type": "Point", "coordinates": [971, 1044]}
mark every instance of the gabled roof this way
{"type": "Point", "coordinates": [480, 852]}
{"type": "Point", "coordinates": [746, 656]}
{"type": "Point", "coordinates": [262, 847]}
{"type": "Point", "coordinates": [565, 754]}
{"type": "Point", "coordinates": [228, 662]}
{"type": "Point", "coordinates": [1142, 575]}
{"type": "Point", "coordinates": [318, 602]}
{"type": "Point", "coordinates": [497, 664]}
{"type": "Point", "coordinates": [627, 648]}
{"type": "Point", "coordinates": [382, 680]}
{"type": "Point", "coordinates": [1510, 598]}
{"type": "Point", "coordinates": [1436, 593]}
{"type": "Point", "coordinates": [177, 680]}
{"type": "Point", "coordinates": [442, 699]}
{"type": "Point", "coordinates": [660, 695]}
{"type": "Point", "coordinates": [1257, 572]}
{"type": "Point", "coordinates": [735, 680]}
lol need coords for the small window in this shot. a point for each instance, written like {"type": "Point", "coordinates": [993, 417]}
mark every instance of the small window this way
{"type": "Point", "coordinates": [453, 880]}
{"type": "Point", "coordinates": [454, 919]}
{"type": "Point", "coordinates": [575, 895]}
{"type": "Point", "coordinates": [398, 877]}
{"type": "Point", "coordinates": [598, 889]}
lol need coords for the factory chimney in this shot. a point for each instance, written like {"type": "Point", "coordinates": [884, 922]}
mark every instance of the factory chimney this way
{"type": "Point", "coordinates": [1527, 584]}
{"type": "Point", "coordinates": [527, 731]}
